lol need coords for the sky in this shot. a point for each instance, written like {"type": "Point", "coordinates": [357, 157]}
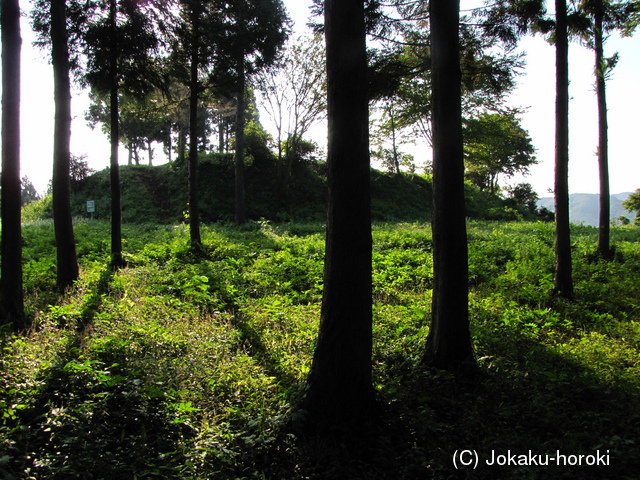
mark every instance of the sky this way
{"type": "Point", "coordinates": [535, 94]}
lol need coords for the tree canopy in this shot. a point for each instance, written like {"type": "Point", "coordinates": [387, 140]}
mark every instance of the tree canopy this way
{"type": "Point", "coordinates": [495, 144]}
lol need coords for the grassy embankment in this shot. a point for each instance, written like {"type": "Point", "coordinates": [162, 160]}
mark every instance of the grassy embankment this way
{"type": "Point", "coordinates": [188, 367]}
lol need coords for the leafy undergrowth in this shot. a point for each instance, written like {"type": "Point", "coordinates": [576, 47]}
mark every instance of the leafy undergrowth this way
{"type": "Point", "coordinates": [185, 366]}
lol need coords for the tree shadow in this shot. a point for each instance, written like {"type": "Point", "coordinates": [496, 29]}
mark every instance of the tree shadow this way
{"type": "Point", "coordinates": [252, 338]}
{"type": "Point", "coordinates": [91, 416]}
{"type": "Point", "coordinates": [539, 402]}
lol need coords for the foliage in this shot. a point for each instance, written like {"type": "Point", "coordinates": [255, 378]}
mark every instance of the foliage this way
{"type": "Point", "coordinates": [632, 204]}
{"type": "Point", "coordinates": [28, 192]}
{"type": "Point", "coordinates": [185, 366]}
{"type": "Point", "coordinates": [79, 168]}
{"type": "Point", "coordinates": [156, 194]}
{"type": "Point", "coordinates": [41, 209]}
{"type": "Point", "coordinates": [495, 145]}
{"type": "Point", "coordinates": [294, 95]}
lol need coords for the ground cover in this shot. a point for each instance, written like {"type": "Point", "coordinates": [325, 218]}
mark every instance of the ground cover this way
{"type": "Point", "coordinates": [184, 366]}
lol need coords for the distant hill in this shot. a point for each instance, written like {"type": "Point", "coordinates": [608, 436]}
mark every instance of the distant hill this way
{"type": "Point", "coordinates": [584, 207]}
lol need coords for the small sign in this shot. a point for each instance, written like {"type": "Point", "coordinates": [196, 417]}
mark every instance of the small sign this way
{"type": "Point", "coordinates": [91, 206]}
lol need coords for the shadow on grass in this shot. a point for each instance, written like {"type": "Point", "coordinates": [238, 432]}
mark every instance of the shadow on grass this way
{"type": "Point", "coordinates": [252, 338]}
{"type": "Point", "coordinates": [91, 417]}
{"type": "Point", "coordinates": [539, 403]}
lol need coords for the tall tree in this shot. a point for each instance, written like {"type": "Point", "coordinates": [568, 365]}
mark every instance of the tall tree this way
{"type": "Point", "coordinates": [197, 35]}
{"type": "Point", "coordinates": [240, 204]}
{"type": "Point", "coordinates": [114, 167]}
{"type": "Point", "coordinates": [11, 296]}
{"type": "Point", "coordinates": [119, 46]}
{"type": "Point", "coordinates": [254, 33]}
{"type": "Point", "coordinates": [563, 283]}
{"type": "Point", "coordinates": [449, 341]}
{"type": "Point", "coordinates": [340, 388]}
{"type": "Point", "coordinates": [510, 19]}
{"type": "Point", "coordinates": [606, 16]}
{"type": "Point", "coordinates": [67, 263]}
{"type": "Point", "coordinates": [603, 135]}
{"type": "Point", "coordinates": [194, 91]}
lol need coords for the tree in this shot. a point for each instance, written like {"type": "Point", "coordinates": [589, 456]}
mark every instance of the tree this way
{"type": "Point", "coordinates": [28, 192]}
{"type": "Point", "coordinates": [294, 96]}
{"type": "Point", "coordinates": [339, 385]}
{"type": "Point", "coordinates": [524, 196]}
{"type": "Point", "coordinates": [389, 137]}
{"type": "Point", "coordinates": [119, 42]}
{"type": "Point", "coordinates": [67, 263]}
{"type": "Point", "coordinates": [11, 295]}
{"type": "Point", "coordinates": [404, 74]}
{"type": "Point", "coordinates": [606, 16]}
{"type": "Point", "coordinates": [196, 60]}
{"type": "Point", "coordinates": [495, 144]}
{"type": "Point", "coordinates": [632, 204]}
{"type": "Point", "coordinates": [254, 33]}
{"type": "Point", "coordinates": [449, 341]}
{"type": "Point", "coordinates": [563, 283]}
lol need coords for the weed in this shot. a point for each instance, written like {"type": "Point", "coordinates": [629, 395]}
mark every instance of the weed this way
{"type": "Point", "coordinates": [185, 366]}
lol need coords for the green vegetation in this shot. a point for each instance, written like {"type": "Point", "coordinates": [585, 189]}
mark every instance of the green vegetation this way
{"type": "Point", "coordinates": [158, 195]}
{"type": "Point", "coordinates": [184, 366]}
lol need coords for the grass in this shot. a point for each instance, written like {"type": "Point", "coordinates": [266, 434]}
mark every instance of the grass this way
{"type": "Point", "coordinates": [190, 367]}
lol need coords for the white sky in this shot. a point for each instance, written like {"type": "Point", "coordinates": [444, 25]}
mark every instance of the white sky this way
{"type": "Point", "coordinates": [535, 92]}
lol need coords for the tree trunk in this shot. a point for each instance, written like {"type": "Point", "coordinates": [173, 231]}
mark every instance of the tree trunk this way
{"type": "Point", "coordinates": [563, 275]}
{"type": "Point", "coordinates": [449, 341]}
{"type": "Point", "coordinates": [603, 141]}
{"type": "Point", "coordinates": [67, 262]}
{"type": "Point", "coordinates": [221, 146]}
{"type": "Point", "coordinates": [11, 295]}
{"type": "Point", "coordinates": [394, 146]}
{"type": "Point", "coordinates": [340, 390]}
{"type": "Point", "coordinates": [240, 209]}
{"type": "Point", "coordinates": [194, 212]}
{"type": "Point", "coordinates": [116, 211]}
{"type": "Point", "coordinates": [182, 144]}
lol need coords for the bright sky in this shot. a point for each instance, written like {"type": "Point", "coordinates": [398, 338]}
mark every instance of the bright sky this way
{"type": "Point", "coordinates": [535, 92]}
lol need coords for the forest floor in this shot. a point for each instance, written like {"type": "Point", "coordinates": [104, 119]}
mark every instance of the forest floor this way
{"type": "Point", "coordinates": [190, 367]}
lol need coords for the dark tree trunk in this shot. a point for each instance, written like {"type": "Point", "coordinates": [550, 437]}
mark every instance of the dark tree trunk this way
{"type": "Point", "coordinates": [563, 275]}
{"type": "Point", "coordinates": [221, 127]}
{"type": "Point", "coordinates": [67, 262]}
{"type": "Point", "coordinates": [240, 208]}
{"type": "Point", "coordinates": [182, 144]}
{"type": "Point", "coordinates": [449, 341]}
{"type": "Point", "coordinates": [11, 296]}
{"type": "Point", "coordinates": [340, 390]}
{"type": "Point", "coordinates": [396, 160]}
{"type": "Point", "coordinates": [116, 211]}
{"type": "Point", "coordinates": [194, 212]}
{"type": "Point", "coordinates": [603, 142]}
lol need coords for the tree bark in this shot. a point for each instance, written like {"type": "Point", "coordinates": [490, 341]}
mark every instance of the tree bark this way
{"type": "Point", "coordinates": [603, 141]}
{"type": "Point", "coordinates": [240, 206]}
{"type": "Point", "coordinates": [67, 262]}
{"type": "Point", "coordinates": [563, 275]}
{"type": "Point", "coordinates": [340, 390]}
{"type": "Point", "coordinates": [11, 295]}
{"type": "Point", "coordinates": [449, 342]}
{"type": "Point", "coordinates": [194, 211]}
{"type": "Point", "coordinates": [114, 171]}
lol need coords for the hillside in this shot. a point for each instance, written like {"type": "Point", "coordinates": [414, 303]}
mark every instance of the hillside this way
{"type": "Point", "coordinates": [584, 207]}
{"type": "Point", "coordinates": [159, 195]}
